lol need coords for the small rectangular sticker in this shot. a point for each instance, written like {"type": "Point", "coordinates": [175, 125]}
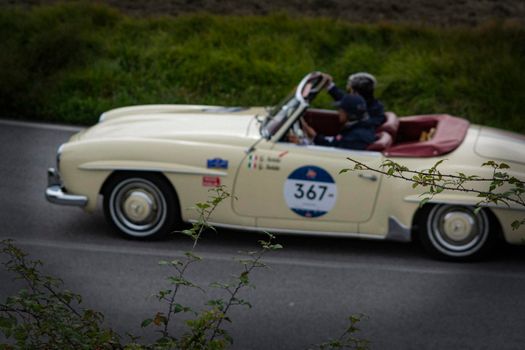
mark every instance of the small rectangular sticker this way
{"type": "Point", "coordinates": [211, 181]}
{"type": "Point", "coordinates": [217, 163]}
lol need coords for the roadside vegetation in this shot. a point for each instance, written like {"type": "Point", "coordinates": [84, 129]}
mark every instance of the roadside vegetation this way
{"type": "Point", "coordinates": [70, 62]}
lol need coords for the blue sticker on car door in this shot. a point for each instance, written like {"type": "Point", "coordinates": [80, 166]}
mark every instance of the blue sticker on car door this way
{"type": "Point", "coordinates": [310, 191]}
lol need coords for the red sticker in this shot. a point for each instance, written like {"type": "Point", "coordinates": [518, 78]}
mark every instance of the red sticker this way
{"type": "Point", "coordinates": [211, 181]}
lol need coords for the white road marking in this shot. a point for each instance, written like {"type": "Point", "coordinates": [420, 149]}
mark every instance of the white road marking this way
{"type": "Point", "coordinates": [44, 126]}
{"type": "Point", "coordinates": [271, 260]}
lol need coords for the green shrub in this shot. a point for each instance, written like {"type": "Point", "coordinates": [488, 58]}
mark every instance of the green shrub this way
{"type": "Point", "coordinates": [71, 62]}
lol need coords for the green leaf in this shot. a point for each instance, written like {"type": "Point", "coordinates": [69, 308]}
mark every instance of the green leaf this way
{"type": "Point", "coordinates": [146, 322]}
{"type": "Point", "coordinates": [219, 285]}
{"type": "Point", "coordinates": [193, 256]}
{"type": "Point", "coordinates": [516, 224]}
{"type": "Point", "coordinates": [244, 277]}
{"type": "Point", "coordinates": [179, 281]}
{"type": "Point", "coordinates": [424, 201]}
{"type": "Point", "coordinates": [180, 308]}
{"type": "Point", "coordinates": [203, 206]}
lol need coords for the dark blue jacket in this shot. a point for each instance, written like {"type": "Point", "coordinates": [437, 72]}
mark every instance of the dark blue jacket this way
{"type": "Point", "coordinates": [375, 109]}
{"type": "Point", "coordinates": [357, 135]}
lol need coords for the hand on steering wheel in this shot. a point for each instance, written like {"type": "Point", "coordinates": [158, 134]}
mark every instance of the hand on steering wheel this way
{"type": "Point", "coordinates": [308, 130]}
{"type": "Point", "coordinates": [300, 133]}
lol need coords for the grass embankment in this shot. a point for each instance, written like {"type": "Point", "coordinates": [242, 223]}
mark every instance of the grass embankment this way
{"type": "Point", "coordinates": [69, 63]}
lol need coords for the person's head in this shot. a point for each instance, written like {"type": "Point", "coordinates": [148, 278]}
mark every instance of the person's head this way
{"type": "Point", "coordinates": [362, 83]}
{"type": "Point", "coordinates": [351, 108]}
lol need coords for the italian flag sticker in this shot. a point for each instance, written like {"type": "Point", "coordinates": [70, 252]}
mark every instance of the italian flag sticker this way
{"type": "Point", "coordinates": [252, 161]}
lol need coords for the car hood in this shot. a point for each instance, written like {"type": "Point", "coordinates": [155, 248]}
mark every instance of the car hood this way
{"type": "Point", "coordinates": [175, 123]}
{"type": "Point", "coordinates": [500, 145]}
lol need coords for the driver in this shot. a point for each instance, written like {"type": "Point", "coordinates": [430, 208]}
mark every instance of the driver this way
{"type": "Point", "coordinates": [356, 131]}
{"type": "Point", "coordinates": [364, 85]}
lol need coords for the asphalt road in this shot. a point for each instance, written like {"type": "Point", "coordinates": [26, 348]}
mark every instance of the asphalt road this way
{"type": "Point", "coordinates": [304, 298]}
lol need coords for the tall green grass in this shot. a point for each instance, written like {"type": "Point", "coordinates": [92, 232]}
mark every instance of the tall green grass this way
{"type": "Point", "coordinates": [71, 62]}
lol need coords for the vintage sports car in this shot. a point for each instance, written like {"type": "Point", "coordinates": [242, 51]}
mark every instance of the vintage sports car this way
{"type": "Point", "coordinates": [151, 163]}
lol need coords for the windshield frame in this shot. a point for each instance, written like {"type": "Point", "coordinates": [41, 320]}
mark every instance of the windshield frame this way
{"type": "Point", "coordinates": [290, 108]}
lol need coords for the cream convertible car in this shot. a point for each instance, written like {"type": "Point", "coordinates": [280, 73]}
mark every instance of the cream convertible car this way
{"type": "Point", "coordinates": [152, 163]}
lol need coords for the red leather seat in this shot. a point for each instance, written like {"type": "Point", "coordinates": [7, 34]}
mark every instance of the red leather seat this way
{"type": "Point", "coordinates": [450, 133]}
{"type": "Point", "coordinates": [383, 141]}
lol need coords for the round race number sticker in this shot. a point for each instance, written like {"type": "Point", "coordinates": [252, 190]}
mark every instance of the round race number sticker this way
{"type": "Point", "coordinates": [310, 191]}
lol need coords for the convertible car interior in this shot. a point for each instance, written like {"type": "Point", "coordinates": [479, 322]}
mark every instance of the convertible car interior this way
{"type": "Point", "coordinates": [414, 136]}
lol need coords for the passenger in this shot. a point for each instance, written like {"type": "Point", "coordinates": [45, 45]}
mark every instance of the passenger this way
{"type": "Point", "coordinates": [356, 132]}
{"type": "Point", "coordinates": [364, 85]}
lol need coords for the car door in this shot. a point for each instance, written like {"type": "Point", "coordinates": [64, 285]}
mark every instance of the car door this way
{"type": "Point", "coordinates": [300, 188]}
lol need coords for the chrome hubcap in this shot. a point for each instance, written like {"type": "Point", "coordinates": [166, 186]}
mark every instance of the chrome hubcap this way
{"type": "Point", "coordinates": [458, 226]}
{"type": "Point", "coordinates": [457, 230]}
{"type": "Point", "coordinates": [138, 207]}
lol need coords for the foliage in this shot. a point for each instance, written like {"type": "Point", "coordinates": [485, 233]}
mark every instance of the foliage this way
{"type": "Point", "coordinates": [206, 330]}
{"type": "Point", "coordinates": [44, 315]}
{"type": "Point", "coordinates": [347, 340]}
{"type": "Point", "coordinates": [500, 188]}
{"type": "Point", "coordinates": [70, 62]}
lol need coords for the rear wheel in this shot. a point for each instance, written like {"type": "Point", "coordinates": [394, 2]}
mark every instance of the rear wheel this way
{"type": "Point", "coordinates": [455, 232]}
{"type": "Point", "coordinates": [140, 205]}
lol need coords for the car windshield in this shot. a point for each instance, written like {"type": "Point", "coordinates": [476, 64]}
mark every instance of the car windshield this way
{"type": "Point", "coordinates": [279, 114]}
{"type": "Point", "coordinates": [302, 95]}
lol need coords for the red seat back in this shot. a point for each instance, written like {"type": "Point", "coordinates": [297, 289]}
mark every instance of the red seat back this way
{"type": "Point", "coordinates": [449, 134]}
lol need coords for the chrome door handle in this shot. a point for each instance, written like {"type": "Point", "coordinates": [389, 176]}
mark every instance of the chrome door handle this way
{"type": "Point", "coordinates": [368, 177]}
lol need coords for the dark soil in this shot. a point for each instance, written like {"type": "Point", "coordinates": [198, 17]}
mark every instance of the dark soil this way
{"type": "Point", "coordinates": [431, 12]}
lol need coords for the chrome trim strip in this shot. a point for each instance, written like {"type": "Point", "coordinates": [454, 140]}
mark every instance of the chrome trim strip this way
{"type": "Point", "coordinates": [289, 231]}
{"type": "Point", "coordinates": [397, 231]}
{"type": "Point", "coordinates": [419, 198]}
{"type": "Point", "coordinates": [472, 202]}
{"type": "Point", "coordinates": [166, 169]}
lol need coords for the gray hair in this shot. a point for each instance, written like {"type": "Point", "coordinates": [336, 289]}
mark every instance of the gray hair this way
{"type": "Point", "coordinates": [357, 78]}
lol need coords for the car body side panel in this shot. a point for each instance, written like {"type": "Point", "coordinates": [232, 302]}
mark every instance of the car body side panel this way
{"type": "Point", "coordinates": [399, 200]}
{"type": "Point", "coordinates": [193, 169]}
{"type": "Point", "coordinates": [262, 185]}
{"type": "Point", "coordinates": [506, 217]}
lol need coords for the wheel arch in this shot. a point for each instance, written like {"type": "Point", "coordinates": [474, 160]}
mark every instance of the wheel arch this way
{"type": "Point", "coordinates": [482, 231]}
{"type": "Point", "coordinates": [422, 210]}
{"type": "Point", "coordinates": [128, 173]}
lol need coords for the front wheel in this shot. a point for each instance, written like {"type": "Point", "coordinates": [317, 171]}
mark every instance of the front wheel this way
{"type": "Point", "coordinates": [455, 232]}
{"type": "Point", "coordinates": [140, 205]}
